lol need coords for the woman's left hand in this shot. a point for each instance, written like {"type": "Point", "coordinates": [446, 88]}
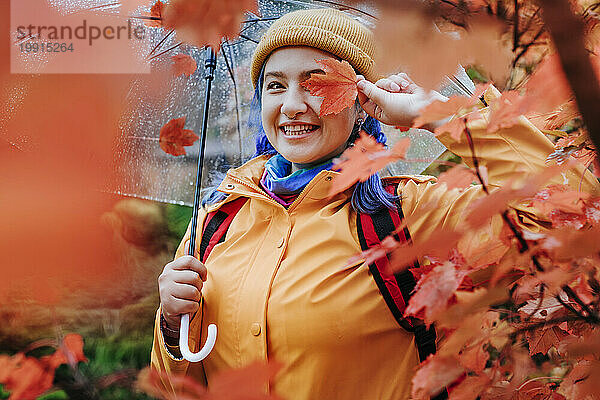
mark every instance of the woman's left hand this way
{"type": "Point", "coordinates": [395, 100]}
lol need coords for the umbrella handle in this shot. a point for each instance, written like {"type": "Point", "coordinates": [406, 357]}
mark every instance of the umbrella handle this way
{"type": "Point", "coordinates": [184, 329]}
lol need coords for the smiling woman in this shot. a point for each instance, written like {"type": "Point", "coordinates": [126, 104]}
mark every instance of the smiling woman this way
{"type": "Point", "coordinates": [272, 266]}
{"type": "Point", "coordinates": [290, 114]}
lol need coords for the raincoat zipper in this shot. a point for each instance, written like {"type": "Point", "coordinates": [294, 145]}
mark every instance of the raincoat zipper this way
{"type": "Point", "coordinates": [256, 187]}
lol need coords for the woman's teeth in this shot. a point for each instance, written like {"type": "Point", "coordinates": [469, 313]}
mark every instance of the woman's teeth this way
{"type": "Point", "coordinates": [298, 129]}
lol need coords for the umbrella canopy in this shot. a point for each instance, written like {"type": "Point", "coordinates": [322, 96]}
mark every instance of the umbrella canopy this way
{"type": "Point", "coordinates": [145, 171]}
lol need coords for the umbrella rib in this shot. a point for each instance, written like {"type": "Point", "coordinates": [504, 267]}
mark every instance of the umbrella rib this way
{"type": "Point", "coordinates": [161, 41]}
{"type": "Point", "coordinates": [249, 38]}
{"type": "Point", "coordinates": [166, 51]}
{"type": "Point", "coordinates": [335, 3]}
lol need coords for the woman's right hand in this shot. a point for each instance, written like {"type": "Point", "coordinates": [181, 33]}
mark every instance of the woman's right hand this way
{"type": "Point", "coordinates": [180, 289]}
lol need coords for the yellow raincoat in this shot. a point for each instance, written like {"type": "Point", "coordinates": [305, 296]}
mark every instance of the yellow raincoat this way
{"type": "Point", "coordinates": [279, 286]}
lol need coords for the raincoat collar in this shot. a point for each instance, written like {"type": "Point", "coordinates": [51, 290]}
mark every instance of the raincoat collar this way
{"type": "Point", "coordinates": [245, 181]}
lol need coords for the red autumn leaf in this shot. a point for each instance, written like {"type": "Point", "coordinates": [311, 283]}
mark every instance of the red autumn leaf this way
{"type": "Point", "coordinates": [337, 86]}
{"type": "Point", "coordinates": [474, 357]}
{"type": "Point", "coordinates": [439, 110]}
{"type": "Point", "coordinates": [536, 390]}
{"type": "Point", "coordinates": [562, 116]}
{"type": "Point", "coordinates": [29, 379]}
{"type": "Point", "coordinates": [70, 351]}
{"type": "Point", "coordinates": [483, 209]}
{"type": "Point", "coordinates": [434, 291]}
{"type": "Point", "coordinates": [183, 64]}
{"type": "Point", "coordinates": [547, 88]}
{"type": "Point", "coordinates": [506, 110]}
{"type": "Point", "coordinates": [173, 137]}
{"type": "Point", "coordinates": [469, 388]}
{"type": "Point", "coordinates": [459, 177]}
{"type": "Point", "coordinates": [541, 340]}
{"type": "Point", "coordinates": [184, 387]}
{"type": "Point", "coordinates": [207, 22]}
{"type": "Point", "coordinates": [434, 374]}
{"type": "Point", "coordinates": [438, 244]}
{"type": "Point", "coordinates": [559, 197]}
{"type": "Point", "coordinates": [364, 159]}
{"type": "Point", "coordinates": [246, 383]}
{"type": "Point", "coordinates": [455, 127]}
{"type": "Point", "coordinates": [156, 12]}
{"type": "Point", "coordinates": [582, 381]}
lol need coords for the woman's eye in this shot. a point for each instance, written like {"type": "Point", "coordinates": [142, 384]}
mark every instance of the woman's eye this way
{"type": "Point", "coordinates": [274, 85]}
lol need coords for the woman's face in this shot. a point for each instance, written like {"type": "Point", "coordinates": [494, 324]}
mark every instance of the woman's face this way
{"type": "Point", "coordinates": [290, 114]}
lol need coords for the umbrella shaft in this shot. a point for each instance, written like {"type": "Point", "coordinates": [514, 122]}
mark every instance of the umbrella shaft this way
{"type": "Point", "coordinates": [209, 73]}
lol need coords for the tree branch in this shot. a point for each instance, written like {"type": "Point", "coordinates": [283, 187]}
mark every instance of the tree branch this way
{"type": "Point", "coordinates": [567, 32]}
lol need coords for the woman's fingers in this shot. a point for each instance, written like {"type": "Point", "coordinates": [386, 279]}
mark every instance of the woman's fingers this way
{"type": "Point", "coordinates": [179, 306]}
{"type": "Point", "coordinates": [188, 277]}
{"type": "Point", "coordinates": [189, 263]}
{"type": "Point", "coordinates": [185, 292]}
{"type": "Point", "coordinates": [388, 84]}
{"type": "Point", "coordinates": [404, 82]}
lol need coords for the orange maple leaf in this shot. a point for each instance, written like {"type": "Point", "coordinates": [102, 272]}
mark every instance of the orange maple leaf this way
{"type": "Point", "coordinates": [237, 384]}
{"type": "Point", "coordinates": [337, 86]}
{"type": "Point", "coordinates": [365, 158]}
{"type": "Point", "coordinates": [434, 374]}
{"type": "Point", "coordinates": [438, 109]}
{"type": "Point", "coordinates": [540, 340]}
{"type": "Point", "coordinates": [207, 22]}
{"type": "Point", "coordinates": [156, 12]}
{"type": "Point", "coordinates": [459, 177]}
{"type": "Point", "coordinates": [27, 377]}
{"type": "Point", "coordinates": [173, 137]}
{"type": "Point", "coordinates": [434, 291]}
{"type": "Point", "coordinates": [183, 64]}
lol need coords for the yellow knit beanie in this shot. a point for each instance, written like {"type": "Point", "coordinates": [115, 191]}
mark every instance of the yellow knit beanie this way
{"type": "Point", "coordinates": [325, 29]}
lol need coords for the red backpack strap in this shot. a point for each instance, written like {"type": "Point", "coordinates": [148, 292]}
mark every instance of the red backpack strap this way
{"type": "Point", "coordinates": [216, 225]}
{"type": "Point", "coordinates": [396, 289]}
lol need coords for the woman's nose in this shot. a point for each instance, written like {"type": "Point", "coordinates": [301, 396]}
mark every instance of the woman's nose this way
{"type": "Point", "coordinates": [294, 102]}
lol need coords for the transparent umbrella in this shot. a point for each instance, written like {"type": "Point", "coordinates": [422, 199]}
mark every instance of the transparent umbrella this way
{"type": "Point", "coordinates": [145, 171]}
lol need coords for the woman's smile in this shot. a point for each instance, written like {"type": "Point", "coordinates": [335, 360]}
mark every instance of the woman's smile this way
{"type": "Point", "coordinates": [290, 114]}
{"type": "Point", "coordinates": [298, 130]}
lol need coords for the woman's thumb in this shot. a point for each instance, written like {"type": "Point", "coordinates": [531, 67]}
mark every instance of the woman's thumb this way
{"type": "Point", "coordinates": [372, 92]}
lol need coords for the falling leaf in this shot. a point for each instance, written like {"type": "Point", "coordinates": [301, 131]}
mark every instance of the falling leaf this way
{"type": "Point", "coordinates": [403, 31]}
{"type": "Point", "coordinates": [457, 177]}
{"type": "Point", "coordinates": [173, 137]}
{"type": "Point", "coordinates": [469, 388]}
{"type": "Point", "coordinates": [156, 12]}
{"type": "Point", "coordinates": [547, 88]}
{"type": "Point", "coordinates": [248, 383]}
{"type": "Point", "coordinates": [28, 377]}
{"type": "Point", "coordinates": [474, 357]}
{"type": "Point", "coordinates": [364, 159]}
{"type": "Point", "coordinates": [455, 127]}
{"type": "Point", "coordinates": [582, 380]}
{"type": "Point", "coordinates": [438, 244]}
{"type": "Point", "coordinates": [337, 86]}
{"type": "Point", "coordinates": [434, 291]}
{"type": "Point", "coordinates": [207, 22]}
{"type": "Point", "coordinates": [183, 64]}
{"type": "Point", "coordinates": [559, 197]}
{"type": "Point", "coordinates": [438, 110]}
{"type": "Point", "coordinates": [434, 374]}
{"type": "Point", "coordinates": [245, 383]}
